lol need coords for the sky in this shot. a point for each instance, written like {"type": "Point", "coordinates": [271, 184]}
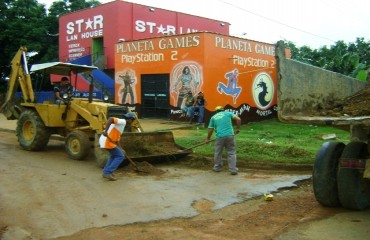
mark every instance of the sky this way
{"type": "Point", "coordinates": [313, 23]}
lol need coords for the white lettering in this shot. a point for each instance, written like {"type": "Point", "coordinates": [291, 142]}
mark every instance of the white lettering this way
{"type": "Point", "coordinates": [171, 29]}
{"type": "Point", "coordinates": [80, 25]}
{"type": "Point", "coordinates": [140, 26]}
{"type": "Point", "coordinates": [74, 55]}
{"type": "Point", "coordinates": [244, 108]}
{"type": "Point", "coordinates": [98, 21]}
{"type": "Point", "coordinates": [265, 50]}
{"type": "Point", "coordinates": [135, 46]}
{"type": "Point", "coordinates": [128, 59]}
{"type": "Point", "coordinates": [250, 62]}
{"type": "Point", "coordinates": [233, 44]}
{"type": "Point", "coordinates": [264, 113]}
{"type": "Point", "coordinates": [72, 38]}
{"type": "Point", "coordinates": [70, 28]}
{"type": "Point", "coordinates": [179, 42]}
{"type": "Point", "coordinates": [176, 111]}
{"type": "Point", "coordinates": [76, 50]}
{"type": "Point", "coordinates": [151, 26]}
{"type": "Point", "coordinates": [150, 57]}
{"type": "Point", "coordinates": [241, 110]}
{"type": "Point", "coordinates": [73, 45]}
{"type": "Point", "coordinates": [92, 34]}
{"type": "Point", "coordinates": [142, 57]}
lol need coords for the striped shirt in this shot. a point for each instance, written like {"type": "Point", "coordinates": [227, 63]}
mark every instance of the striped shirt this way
{"type": "Point", "coordinates": [114, 134]}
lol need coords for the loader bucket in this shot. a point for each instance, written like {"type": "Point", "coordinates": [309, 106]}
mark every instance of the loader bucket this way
{"type": "Point", "coordinates": [151, 147]}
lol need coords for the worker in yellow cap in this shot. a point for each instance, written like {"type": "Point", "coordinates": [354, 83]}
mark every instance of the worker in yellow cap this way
{"type": "Point", "coordinates": [222, 124]}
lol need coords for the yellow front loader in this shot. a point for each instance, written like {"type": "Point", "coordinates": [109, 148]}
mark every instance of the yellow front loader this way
{"type": "Point", "coordinates": [80, 121]}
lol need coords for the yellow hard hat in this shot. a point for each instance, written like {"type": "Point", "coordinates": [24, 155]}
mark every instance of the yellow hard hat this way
{"type": "Point", "coordinates": [219, 108]}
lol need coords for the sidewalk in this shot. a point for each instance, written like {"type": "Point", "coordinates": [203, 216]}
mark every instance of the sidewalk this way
{"type": "Point", "coordinates": [7, 125]}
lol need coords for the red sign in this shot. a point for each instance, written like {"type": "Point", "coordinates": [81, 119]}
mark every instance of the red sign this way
{"type": "Point", "coordinates": [96, 30]}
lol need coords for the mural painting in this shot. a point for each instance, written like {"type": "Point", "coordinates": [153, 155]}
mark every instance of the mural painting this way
{"type": "Point", "coordinates": [231, 88]}
{"type": "Point", "coordinates": [238, 74]}
{"type": "Point", "coordinates": [186, 77]}
{"type": "Point", "coordinates": [127, 90]}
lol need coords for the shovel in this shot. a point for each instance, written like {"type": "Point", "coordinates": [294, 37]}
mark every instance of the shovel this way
{"type": "Point", "coordinates": [128, 158]}
{"type": "Point", "coordinates": [198, 145]}
{"type": "Point", "coordinates": [131, 161]}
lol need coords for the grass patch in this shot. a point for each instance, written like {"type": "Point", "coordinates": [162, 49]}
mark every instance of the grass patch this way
{"type": "Point", "coordinates": [269, 141]}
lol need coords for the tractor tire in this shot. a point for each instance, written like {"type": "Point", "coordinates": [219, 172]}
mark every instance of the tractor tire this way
{"type": "Point", "coordinates": [77, 145]}
{"type": "Point", "coordinates": [324, 174]}
{"type": "Point", "coordinates": [31, 131]}
{"type": "Point", "coordinates": [101, 155]}
{"type": "Point", "coordinates": [353, 189]}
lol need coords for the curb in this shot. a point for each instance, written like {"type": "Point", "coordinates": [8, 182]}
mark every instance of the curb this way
{"type": "Point", "coordinates": [263, 165]}
{"type": "Point", "coordinates": [279, 166]}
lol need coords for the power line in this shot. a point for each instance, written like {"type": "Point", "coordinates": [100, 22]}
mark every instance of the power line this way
{"type": "Point", "coordinates": [340, 7]}
{"type": "Point", "coordinates": [277, 22]}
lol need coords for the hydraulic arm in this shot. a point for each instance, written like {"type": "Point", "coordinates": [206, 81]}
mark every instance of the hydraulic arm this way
{"type": "Point", "coordinates": [19, 76]}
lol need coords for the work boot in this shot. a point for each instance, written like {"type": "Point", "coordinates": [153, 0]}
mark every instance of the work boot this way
{"type": "Point", "coordinates": [217, 168]}
{"type": "Point", "coordinates": [109, 177]}
{"type": "Point", "coordinates": [234, 171]}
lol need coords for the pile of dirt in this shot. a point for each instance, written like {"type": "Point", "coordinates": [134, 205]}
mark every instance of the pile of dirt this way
{"type": "Point", "coordinates": [354, 105]}
{"type": "Point", "coordinates": [141, 149]}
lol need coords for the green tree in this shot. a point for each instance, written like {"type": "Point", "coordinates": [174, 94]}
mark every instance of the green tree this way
{"type": "Point", "coordinates": [23, 24]}
{"type": "Point", "coordinates": [75, 5]}
{"type": "Point", "coordinates": [363, 49]}
{"type": "Point", "coordinates": [67, 6]}
{"type": "Point", "coordinates": [28, 23]}
{"type": "Point", "coordinates": [350, 59]}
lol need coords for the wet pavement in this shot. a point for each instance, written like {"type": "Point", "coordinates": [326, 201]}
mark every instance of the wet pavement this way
{"type": "Point", "coordinates": [173, 194]}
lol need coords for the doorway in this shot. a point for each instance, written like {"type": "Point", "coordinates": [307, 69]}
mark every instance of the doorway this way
{"type": "Point", "coordinates": [155, 99]}
{"type": "Point", "coordinates": [97, 55]}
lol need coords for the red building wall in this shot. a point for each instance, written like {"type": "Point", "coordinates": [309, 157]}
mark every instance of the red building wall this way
{"type": "Point", "coordinates": [122, 20]}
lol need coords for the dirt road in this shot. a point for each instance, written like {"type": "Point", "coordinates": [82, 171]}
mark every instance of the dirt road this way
{"type": "Point", "coordinates": [46, 195]}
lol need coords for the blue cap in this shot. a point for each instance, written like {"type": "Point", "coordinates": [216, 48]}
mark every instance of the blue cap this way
{"type": "Point", "coordinates": [129, 115]}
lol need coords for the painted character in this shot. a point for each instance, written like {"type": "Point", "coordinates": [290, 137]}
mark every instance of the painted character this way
{"type": "Point", "coordinates": [188, 83]}
{"type": "Point", "coordinates": [127, 88]}
{"type": "Point", "coordinates": [262, 95]}
{"type": "Point", "coordinates": [231, 88]}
